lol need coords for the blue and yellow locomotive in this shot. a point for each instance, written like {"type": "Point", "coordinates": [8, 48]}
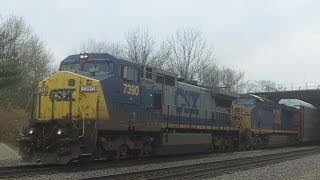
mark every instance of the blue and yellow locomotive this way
{"type": "Point", "coordinates": [100, 106]}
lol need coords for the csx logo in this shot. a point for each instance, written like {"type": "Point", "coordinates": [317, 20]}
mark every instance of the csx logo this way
{"type": "Point", "coordinates": [62, 95]}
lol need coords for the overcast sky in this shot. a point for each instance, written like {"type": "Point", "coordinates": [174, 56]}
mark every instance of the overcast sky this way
{"type": "Point", "coordinates": [270, 40]}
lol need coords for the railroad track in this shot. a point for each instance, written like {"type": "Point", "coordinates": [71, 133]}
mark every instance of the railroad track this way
{"type": "Point", "coordinates": [32, 170]}
{"type": "Point", "coordinates": [174, 172]}
{"type": "Point", "coordinates": [43, 169]}
{"type": "Point", "coordinates": [26, 170]}
{"type": "Point", "coordinates": [212, 169]}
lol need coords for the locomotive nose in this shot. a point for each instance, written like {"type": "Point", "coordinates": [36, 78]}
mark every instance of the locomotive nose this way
{"type": "Point", "coordinates": [67, 95]}
{"type": "Point", "coordinates": [58, 96]}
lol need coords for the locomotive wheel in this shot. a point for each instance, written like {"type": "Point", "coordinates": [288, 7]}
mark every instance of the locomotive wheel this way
{"type": "Point", "coordinates": [211, 149]}
{"type": "Point", "coordinates": [228, 143]}
{"type": "Point", "coordinates": [222, 147]}
{"type": "Point", "coordinates": [146, 150]}
{"type": "Point", "coordinates": [99, 151]}
{"type": "Point", "coordinates": [122, 151]}
{"type": "Point", "coordinates": [257, 143]}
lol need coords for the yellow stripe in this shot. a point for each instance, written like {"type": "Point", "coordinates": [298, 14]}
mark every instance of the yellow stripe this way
{"type": "Point", "coordinates": [273, 131]}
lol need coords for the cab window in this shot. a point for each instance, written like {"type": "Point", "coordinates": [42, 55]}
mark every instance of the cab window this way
{"type": "Point", "coordinates": [129, 73]}
{"type": "Point", "coordinates": [149, 73]}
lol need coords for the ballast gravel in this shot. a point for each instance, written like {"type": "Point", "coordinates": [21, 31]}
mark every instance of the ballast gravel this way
{"type": "Point", "coordinates": [11, 162]}
{"type": "Point", "coordinates": [306, 168]}
{"type": "Point", "coordinates": [282, 170]}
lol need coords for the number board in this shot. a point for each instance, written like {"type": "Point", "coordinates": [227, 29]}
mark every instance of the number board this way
{"type": "Point", "coordinates": [87, 88]}
{"type": "Point", "coordinates": [131, 89]}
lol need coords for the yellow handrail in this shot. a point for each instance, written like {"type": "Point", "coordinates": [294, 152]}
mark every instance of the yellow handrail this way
{"type": "Point", "coordinates": [82, 120]}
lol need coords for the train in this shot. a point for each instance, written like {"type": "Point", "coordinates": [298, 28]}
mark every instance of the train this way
{"type": "Point", "coordinates": [102, 106]}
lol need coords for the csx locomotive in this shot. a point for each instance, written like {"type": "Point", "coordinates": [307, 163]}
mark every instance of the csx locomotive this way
{"type": "Point", "coordinates": [100, 106]}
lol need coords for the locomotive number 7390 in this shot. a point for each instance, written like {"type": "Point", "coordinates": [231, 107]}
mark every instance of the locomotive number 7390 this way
{"type": "Point", "coordinates": [131, 89]}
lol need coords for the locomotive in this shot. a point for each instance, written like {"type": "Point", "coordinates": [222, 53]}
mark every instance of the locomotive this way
{"type": "Point", "coordinates": [101, 106]}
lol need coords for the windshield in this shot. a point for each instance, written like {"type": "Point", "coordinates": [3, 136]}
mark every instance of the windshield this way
{"type": "Point", "coordinates": [70, 66]}
{"type": "Point", "coordinates": [97, 67]}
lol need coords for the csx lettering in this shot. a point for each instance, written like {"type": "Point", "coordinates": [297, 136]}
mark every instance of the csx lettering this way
{"type": "Point", "coordinates": [62, 95]}
{"type": "Point", "coordinates": [188, 99]}
{"type": "Point", "coordinates": [131, 89]}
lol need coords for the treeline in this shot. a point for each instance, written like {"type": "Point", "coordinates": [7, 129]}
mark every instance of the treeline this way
{"type": "Point", "coordinates": [184, 52]}
{"type": "Point", "coordinates": [24, 61]}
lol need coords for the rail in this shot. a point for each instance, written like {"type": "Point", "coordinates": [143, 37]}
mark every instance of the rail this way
{"type": "Point", "coordinates": [211, 169]}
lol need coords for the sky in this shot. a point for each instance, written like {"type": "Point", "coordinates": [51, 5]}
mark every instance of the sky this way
{"type": "Point", "coordinates": [277, 40]}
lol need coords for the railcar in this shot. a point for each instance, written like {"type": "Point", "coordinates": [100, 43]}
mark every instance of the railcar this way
{"type": "Point", "coordinates": [268, 123]}
{"type": "Point", "coordinates": [309, 119]}
{"type": "Point", "coordinates": [100, 106]}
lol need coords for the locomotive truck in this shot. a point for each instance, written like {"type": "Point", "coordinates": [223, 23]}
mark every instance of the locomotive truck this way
{"type": "Point", "coordinates": [101, 106]}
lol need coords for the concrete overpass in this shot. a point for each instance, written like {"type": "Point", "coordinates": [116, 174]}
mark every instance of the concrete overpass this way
{"type": "Point", "coordinates": [311, 96]}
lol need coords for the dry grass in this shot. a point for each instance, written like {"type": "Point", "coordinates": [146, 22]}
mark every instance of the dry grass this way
{"type": "Point", "coordinates": [11, 122]}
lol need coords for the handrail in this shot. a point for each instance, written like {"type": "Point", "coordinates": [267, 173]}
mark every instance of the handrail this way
{"type": "Point", "coordinates": [82, 120]}
{"type": "Point", "coordinates": [197, 109]}
{"type": "Point", "coordinates": [213, 115]}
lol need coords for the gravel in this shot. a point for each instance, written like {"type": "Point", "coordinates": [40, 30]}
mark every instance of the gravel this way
{"type": "Point", "coordinates": [9, 157]}
{"type": "Point", "coordinates": [211, 158]}
{"type": "Point", "coordinates": [304, 168]}
{"type": "Point", "coordinates": [10, 162]}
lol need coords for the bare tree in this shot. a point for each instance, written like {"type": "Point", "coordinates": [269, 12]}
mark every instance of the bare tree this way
{"type": "Point", "coordinates": [161, 57]}
{"type": "Point", "coordinates": [185, 53]}
{"type": "Point", "coordinates": [209, 75]}
{"type": "Point", "coordinates": [231, 79]}
{"type": "Point", "coordinates": [94, 46]}
{"type": "Point", "coordinates": [189, 53]}
{"type": "Point", "coordinates": [22, 55]}
{"type": "Point", "coordinates": [139, 46]}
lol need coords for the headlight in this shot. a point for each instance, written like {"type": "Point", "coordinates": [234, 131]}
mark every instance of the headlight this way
{"type": "Point", "coordinates": [59, 131]}
{"type": "Point", "coordinates": [83, 56]}
{"type": "Point", "coordinates": [42, 90]}
{"type": "Point", "coordinates": [31, 131]}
